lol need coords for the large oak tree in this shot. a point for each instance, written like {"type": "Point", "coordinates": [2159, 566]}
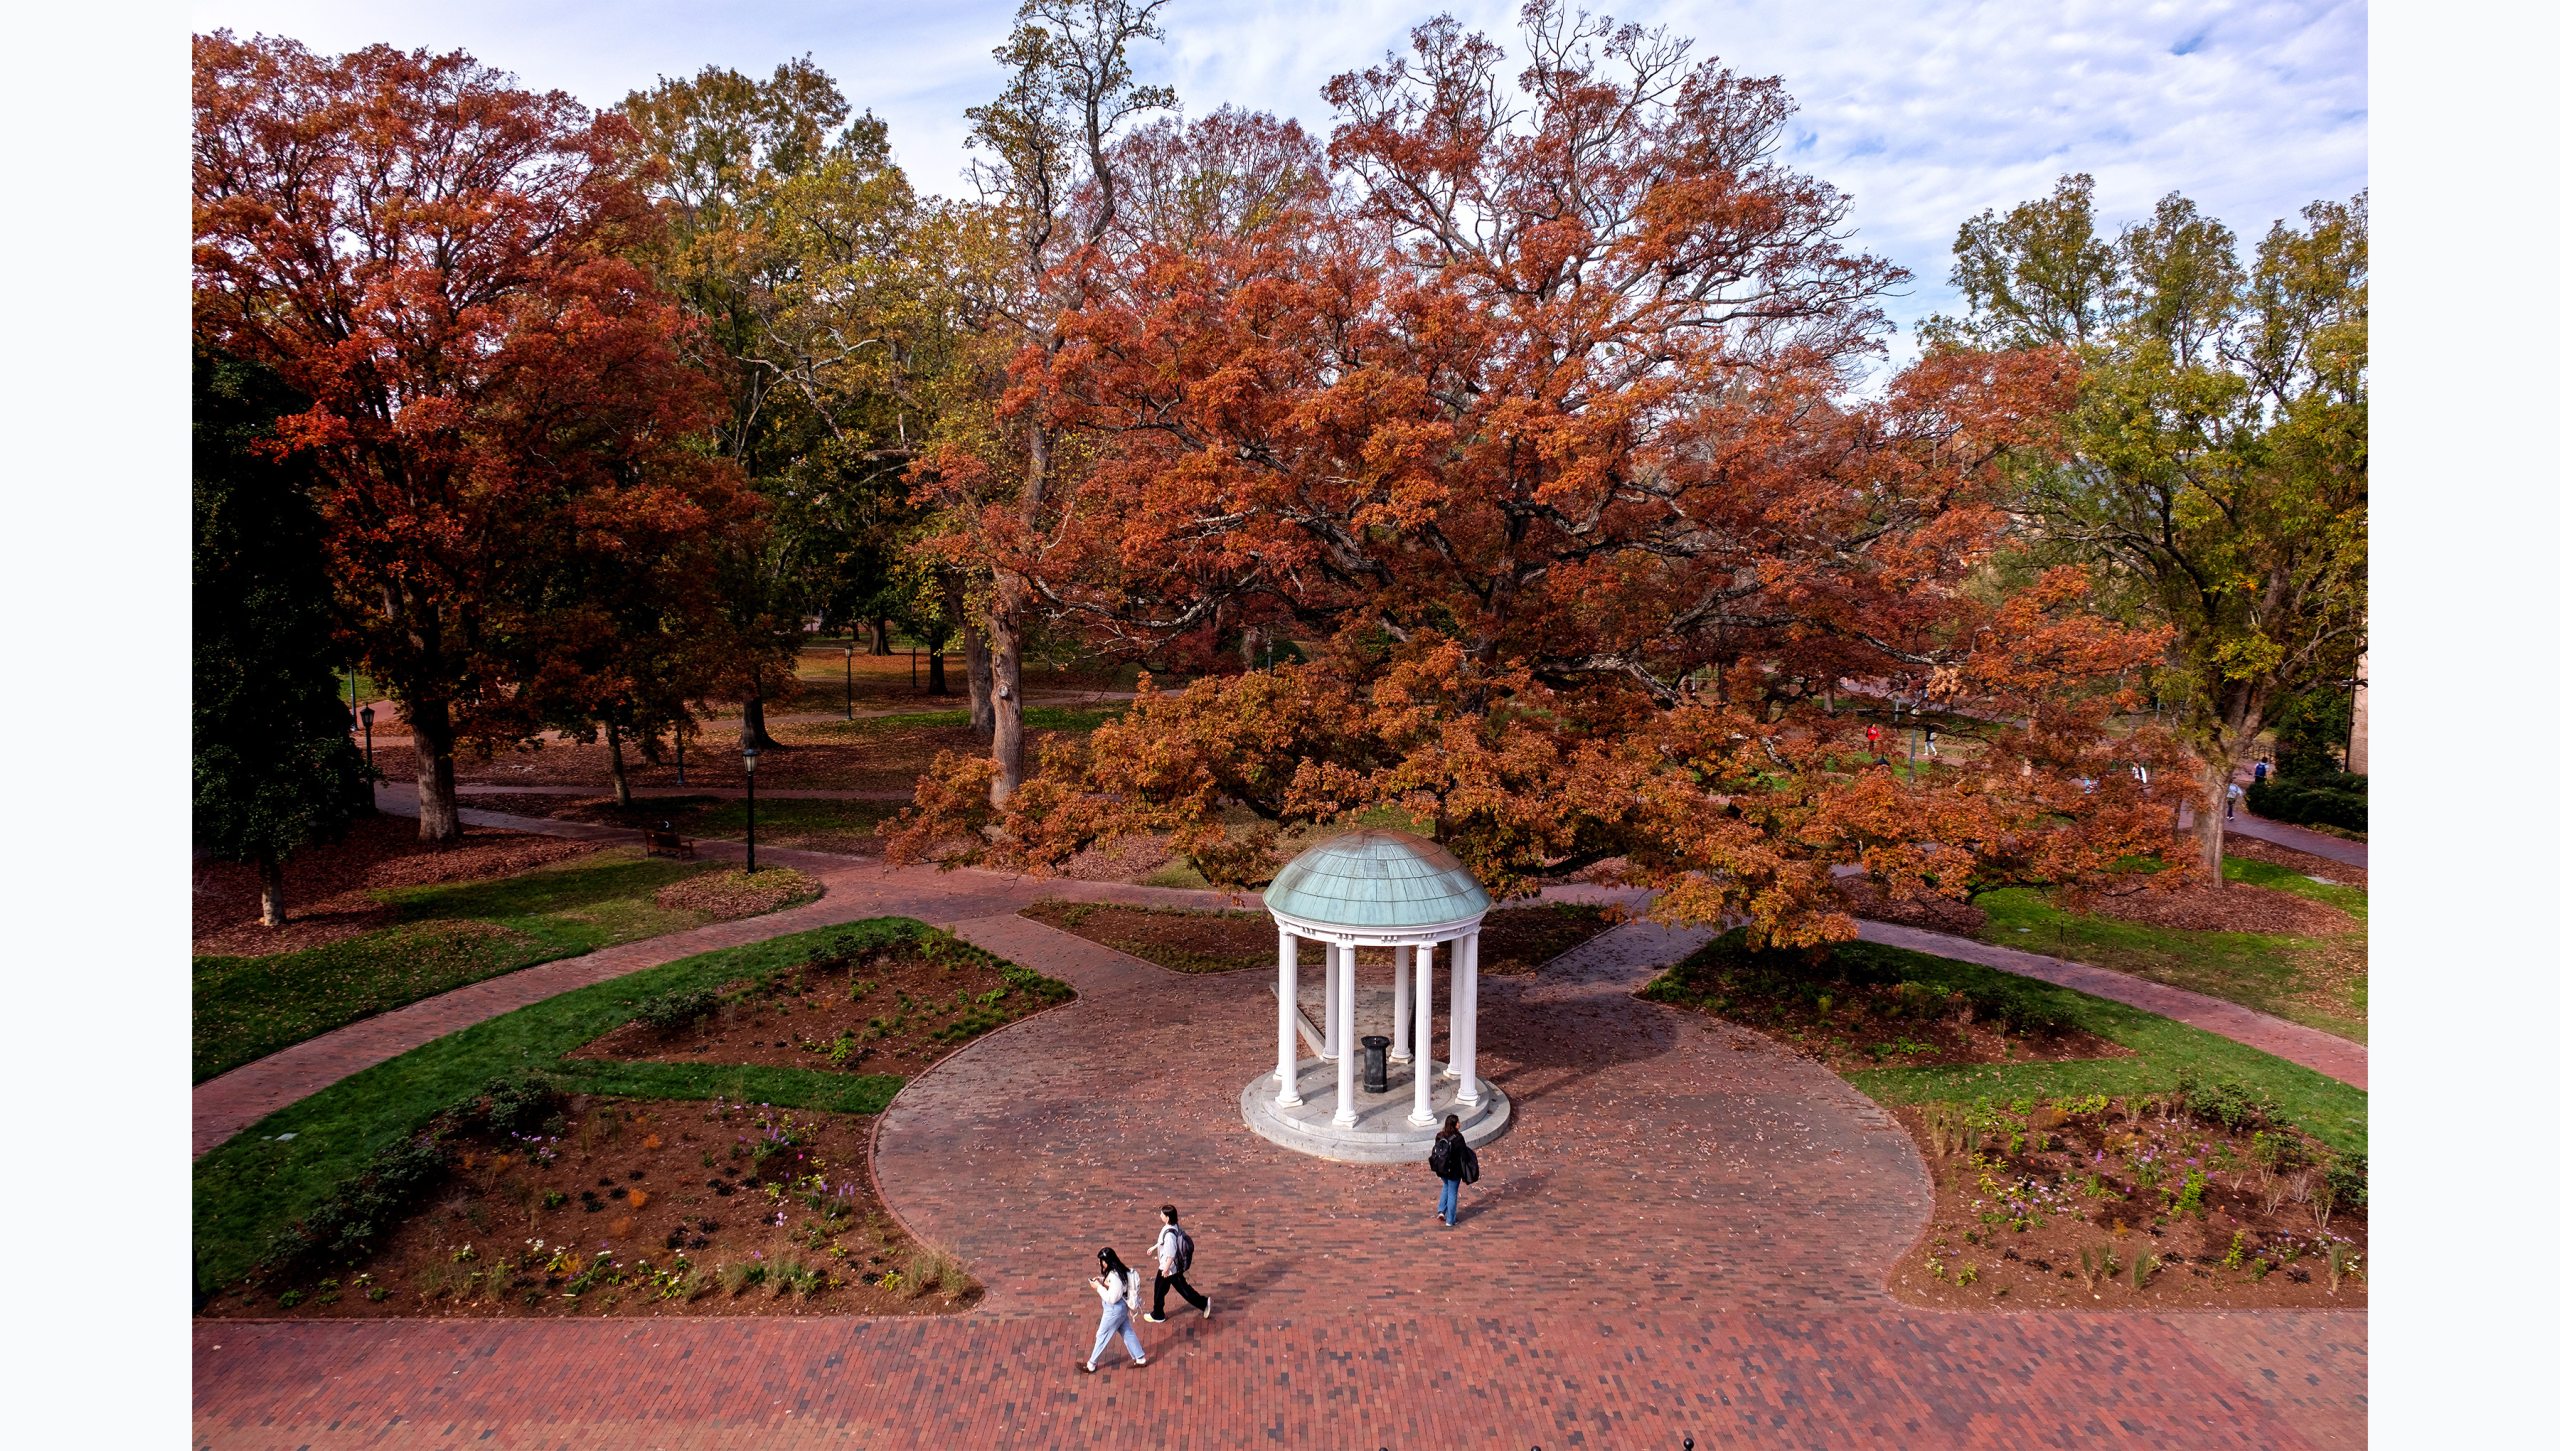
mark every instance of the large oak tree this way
{"type": "Point", "coordinates": [1535, 421]}
{"type": "Point", "coordinates": [438, 261]}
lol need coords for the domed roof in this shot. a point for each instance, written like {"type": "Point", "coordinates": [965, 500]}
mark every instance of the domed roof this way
{"type": "Point", "coordinates": [1385, 879]}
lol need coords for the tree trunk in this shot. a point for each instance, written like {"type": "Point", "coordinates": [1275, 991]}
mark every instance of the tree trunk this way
{"type": "Point", "coordinates": [935, 683]}
{"type": "Point", "coordinates": [1005, 644]}
{"type": "Point", "coordinates": [439, 806]}
{"type": "Point", "coordinates": [982, 682]}
{"type": "Point", "coordinates": [270, 891]}
{"type": "Point", "coordinates": [880, 636]}
{"type": "Point", "coordinates": [613, 764]}
{"type": "Point", "coordinates": [2215, 775]}
{"type": "Point", "coordinates": [1251, 648]}
{"type": "Point", "coordinates": [751, 730]}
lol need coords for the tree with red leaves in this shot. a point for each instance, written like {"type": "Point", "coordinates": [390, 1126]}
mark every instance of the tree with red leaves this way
{"type": "Point", "coordinates": [435, 258]}
{"type": "Point", "coordinates": [1537, 427]}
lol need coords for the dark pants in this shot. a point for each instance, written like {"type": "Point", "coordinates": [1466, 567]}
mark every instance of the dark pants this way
{"type": "Point", "coordinates": [1182, 1283]}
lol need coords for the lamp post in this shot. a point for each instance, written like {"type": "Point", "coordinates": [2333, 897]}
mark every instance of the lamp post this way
{"type": "Point", "coordinates": [366, 715]}
{"type": "Point", "coordinates": [679, 753]}
{"type": "Point", "coordinates": [751, 807]}
{"type": "Point", "coordinates": [848, 682]}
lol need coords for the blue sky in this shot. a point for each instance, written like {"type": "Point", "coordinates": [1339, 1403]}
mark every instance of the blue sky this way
{"type": "Point", "coordinates": [1925, 111]}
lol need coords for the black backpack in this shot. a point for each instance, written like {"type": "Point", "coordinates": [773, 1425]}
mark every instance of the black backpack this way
{"type": "Point", "coordinates": [1181, 1250]}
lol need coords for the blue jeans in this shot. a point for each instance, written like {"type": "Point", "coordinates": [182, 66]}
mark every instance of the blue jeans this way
{"type": "Point", "coordinates": [1115, 1317]}
{"type": "Point", "coordinates": [1449, 1201]}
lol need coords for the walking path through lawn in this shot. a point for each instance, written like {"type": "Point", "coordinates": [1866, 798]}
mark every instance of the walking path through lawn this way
{"type": "Point", "coordinates": [1687, 1232]}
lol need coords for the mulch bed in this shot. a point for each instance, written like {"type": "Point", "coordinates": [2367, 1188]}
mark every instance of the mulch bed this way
{"type": "Point", "coordinates": [1848, 1025]}
{"type": "Point", "coordinates": [2196, 906]}
{"type": "Point", "coordinates": [898, 1012]}
{"type": "Point", "coordinates": [329, 889]}
{"type": "Point", "coordinates": [727, 896]}
{"type": "Point", "coordinates": [644, 1208]}
{"type": "Point", "coordinates": [1868, 898]}
{"type": "Point", "coordinates": [2063, 1204]}
{"type": "Point", "coordinates": [1517, 940]}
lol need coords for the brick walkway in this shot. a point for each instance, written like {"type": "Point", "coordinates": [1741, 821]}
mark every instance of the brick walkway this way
{"type": "Point", "coordinates": [1686, 1234]}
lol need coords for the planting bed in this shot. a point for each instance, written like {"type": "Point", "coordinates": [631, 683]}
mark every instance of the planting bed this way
{"type": "Point", "coordinates": [1517, 940]}
{"type": "Point", "coordinates": [2196, 1199]}
{"type": "Point", "coordinates": [638, 1208]}
{"type": "Point", "coordinates": [889, 1009]}
{"type": "Point", "coordinates": [331, 891]}
{"type": "Point", "coordinates": [1851, 1015]}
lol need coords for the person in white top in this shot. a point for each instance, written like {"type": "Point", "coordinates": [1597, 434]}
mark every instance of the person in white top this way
{"type": "Point", "coordinates": [1173, 1266]}
{"type": "Point", "coordinates": [1118, 1287]}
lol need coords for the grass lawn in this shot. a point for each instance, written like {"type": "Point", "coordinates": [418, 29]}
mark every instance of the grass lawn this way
{"type": "Point", "coordinates": [258, 1183]}
{"type": "Point", "coordinates": [447, 936]}
{"type": "Point", "coordinates": [2163, 1050]}
{"type": "Point", "coordinates": [838, 826]}
{"type": "Point", "coordinates": [2319, 982]}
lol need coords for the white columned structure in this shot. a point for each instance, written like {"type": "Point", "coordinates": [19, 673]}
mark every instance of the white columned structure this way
{"type": "Point", "coordinates": [1465, 1052]}
{"type": "Point", "coordinates": [1411, 897]}
{"type": "Point", "coordinates": [1332, 1001]}
{"type": "Point", "coordinates": [1287, 1072]}
{"type": "Point", "coordinates": [1346, 1076]}
{"type": "Point", "coordinates": [1422, 1035]}
{"type": "Point", "coordinates": [1400, 1038]}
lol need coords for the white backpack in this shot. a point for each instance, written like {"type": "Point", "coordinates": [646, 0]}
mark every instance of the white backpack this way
{"type": "Point", "coordinates": [1129, 1278]}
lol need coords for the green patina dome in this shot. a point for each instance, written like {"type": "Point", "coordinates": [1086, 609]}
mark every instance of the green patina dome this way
{"type": "Point", "coordinates": [1385, 879]}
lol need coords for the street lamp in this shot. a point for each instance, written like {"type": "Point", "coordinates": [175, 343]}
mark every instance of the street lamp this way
{"type": "Point", "coordinates": [367, 715]}
{"type": "Point", "coordinates": [751, 805]}
{"type": "Point", "coordinates": [848, 682]}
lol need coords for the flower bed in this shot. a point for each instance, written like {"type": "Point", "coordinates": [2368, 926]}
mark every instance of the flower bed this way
{"type": "Point", "coordinates": [603, 1205]}
{"type": "Point", "coordinates": [2204, 1197]}
{"type": "Point", "coordinates": [892, 1008]}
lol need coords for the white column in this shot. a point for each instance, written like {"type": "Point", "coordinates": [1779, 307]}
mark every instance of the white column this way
{"type": "Point", "coordinates": [1346, 1110]}
{"type": "Point", "coordinates": [1466, 1053]}
{"type": "Point", "coordinates": [1289, 1019]}
{"type": "Point", "coordinates": [1400, 1040]}
{"type": "Point", "coordinates": [1422, 1034]}
{"type": "Point", "coordinates": [1332, 1000]}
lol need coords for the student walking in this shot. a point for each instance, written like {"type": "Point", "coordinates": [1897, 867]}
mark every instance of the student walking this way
{"type": "Point", "coordinates": [2231, 802]}
{"type": "Point", "coordinates": [1117, 1285]}
{"type": "Point", "coordinates": [2258, 777]}
{"type": "Point", "coordinates": [1455, 1163]}
{"type": "Point", "coordinates": [1173, 1265]}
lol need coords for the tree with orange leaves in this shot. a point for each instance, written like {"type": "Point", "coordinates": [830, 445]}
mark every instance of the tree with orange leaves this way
{"type": "Point", "coordinates": [435, 259]}
{"type": "Point", "coordinates": [1537, 428]}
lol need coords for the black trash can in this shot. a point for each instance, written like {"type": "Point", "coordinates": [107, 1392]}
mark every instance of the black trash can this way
{"type": "Point", "coordinates": [1373, 1063]}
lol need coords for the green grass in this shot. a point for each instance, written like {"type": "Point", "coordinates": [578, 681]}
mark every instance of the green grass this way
{"type": "Point", "coordinates": [252, 1187]}
{"type": "Point", "coordinates": [789, 821]}
{"type": "Point", "coordinates": [2254, 969]}
{"type": "Point", "coordinates": [2163, 1050]}
{"type": "Point", "coordinates": [248, 1007]}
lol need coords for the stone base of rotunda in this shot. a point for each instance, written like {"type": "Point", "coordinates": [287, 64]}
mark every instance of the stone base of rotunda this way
{"type": "Point", "coordinates": [1384, 1132]}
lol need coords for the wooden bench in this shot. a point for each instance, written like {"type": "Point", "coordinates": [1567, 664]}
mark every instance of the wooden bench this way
{"type": "Point", "coordinates": [663, 841]}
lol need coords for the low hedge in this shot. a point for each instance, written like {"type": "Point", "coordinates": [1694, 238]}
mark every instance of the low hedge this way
{"type": "Point", "coordinates": [2311, 801]}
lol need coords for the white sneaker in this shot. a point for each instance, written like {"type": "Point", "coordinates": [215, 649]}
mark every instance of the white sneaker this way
{"type": "Point", "coordinates": [1207, 1305]}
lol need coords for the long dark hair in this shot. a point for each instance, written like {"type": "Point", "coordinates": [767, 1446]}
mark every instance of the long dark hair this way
{"type": "Point", "coordinates": [1449, 1126]}
{"type": "Point", "coordinates": [1111, 1263]}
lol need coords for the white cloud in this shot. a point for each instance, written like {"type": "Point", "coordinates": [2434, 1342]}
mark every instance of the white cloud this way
{"type": "Point", "coordinates": [1925, 111]}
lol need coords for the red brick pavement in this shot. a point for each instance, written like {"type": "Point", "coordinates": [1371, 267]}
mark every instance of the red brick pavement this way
{"type": "Point", "coordinates": [1680, 1237]}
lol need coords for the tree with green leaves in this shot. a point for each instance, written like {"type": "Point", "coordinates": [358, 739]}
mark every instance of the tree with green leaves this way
{"type": "Point", "coordinates": [274, 769]}
{"type": "Point", "coordinates": [2213, 477]}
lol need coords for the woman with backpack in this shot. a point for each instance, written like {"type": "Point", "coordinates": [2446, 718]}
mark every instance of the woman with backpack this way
{"type": "Point", "coordinates": [1455, 1163]}
{"type": "Point", "coordinates": [1119, 1291]}
{"type": "Point", "coordinates": [1173, 1266]}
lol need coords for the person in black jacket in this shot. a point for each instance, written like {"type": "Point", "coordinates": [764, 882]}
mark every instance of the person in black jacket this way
{"type": "Point", "coordinates": [1455, 1163]}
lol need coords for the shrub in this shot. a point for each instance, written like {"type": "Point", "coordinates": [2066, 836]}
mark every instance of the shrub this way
{"type": "Point", "coordinates": [515, 1103]}
{"type": "Point", "coordinates": [2337, 800]}
{"type": "Point", "coordinates": [670, 1011]}
{"type": "Point", "coordinates": [2233, 1106]}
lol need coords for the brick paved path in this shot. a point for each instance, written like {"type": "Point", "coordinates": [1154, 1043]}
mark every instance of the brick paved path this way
{"type": "Point", "coordinates": [1686, 1233]}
